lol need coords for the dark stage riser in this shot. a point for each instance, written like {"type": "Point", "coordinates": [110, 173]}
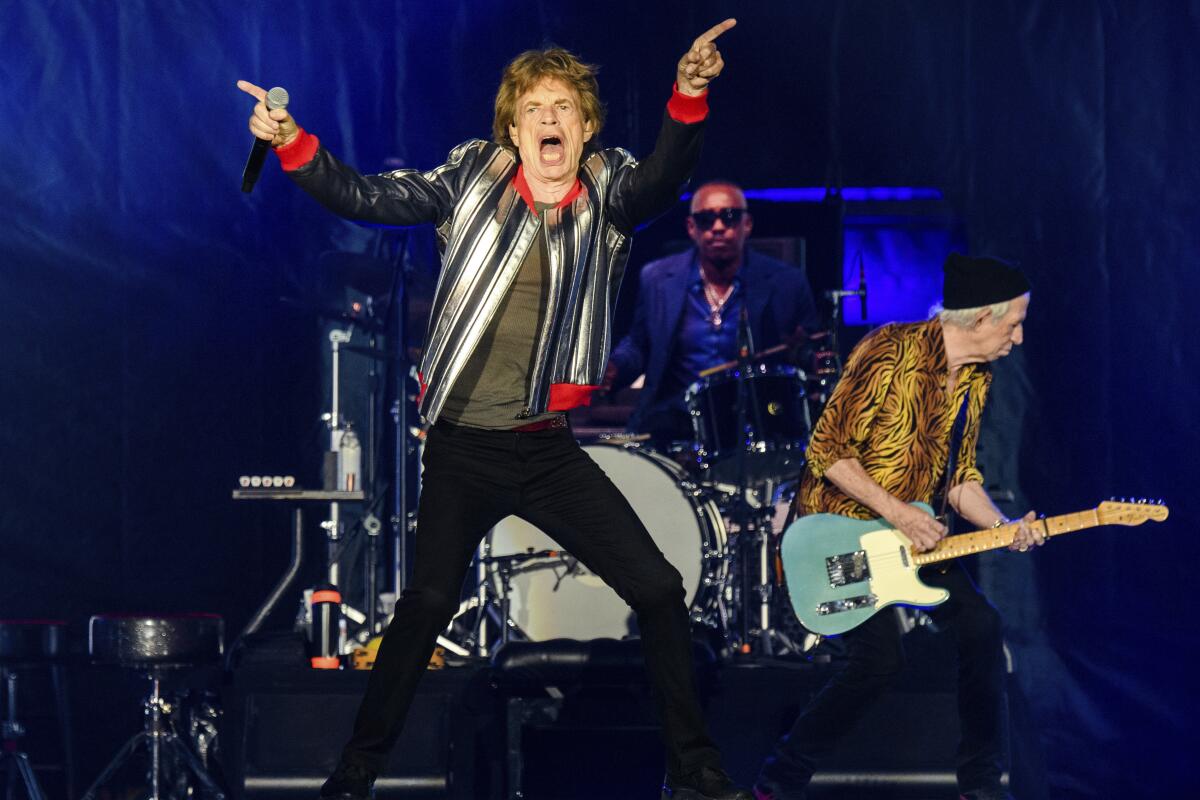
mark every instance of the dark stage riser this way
{"type": "Point", "coordinates": [283, 729]}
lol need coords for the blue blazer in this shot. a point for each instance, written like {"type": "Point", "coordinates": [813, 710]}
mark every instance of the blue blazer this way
{"type": "Point", "coordinates": [777, 298]}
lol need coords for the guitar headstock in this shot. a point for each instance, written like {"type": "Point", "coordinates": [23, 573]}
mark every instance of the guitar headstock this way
{"type": "Point", "coordinates": [1131, 511]}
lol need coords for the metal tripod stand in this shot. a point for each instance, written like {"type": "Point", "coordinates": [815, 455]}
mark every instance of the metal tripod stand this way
{"type": "Point", "coordinates": [15, 762]}
{"type": "Point", "coordinates": [165, 748]}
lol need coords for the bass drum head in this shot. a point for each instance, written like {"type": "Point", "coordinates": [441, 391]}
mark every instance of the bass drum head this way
{"type": "Point", "coordinates": [560, 598]}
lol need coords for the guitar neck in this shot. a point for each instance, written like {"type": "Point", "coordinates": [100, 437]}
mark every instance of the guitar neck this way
{"type": "Point", "coordinates": [995, 538]}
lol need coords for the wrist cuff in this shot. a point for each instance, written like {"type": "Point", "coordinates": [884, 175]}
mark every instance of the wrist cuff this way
{"type": "Point", "coordinates": [298, 152]}
{"type": "Point", "coordinates": [686, 109]}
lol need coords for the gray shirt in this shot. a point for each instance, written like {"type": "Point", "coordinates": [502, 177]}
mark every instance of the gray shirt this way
{"type": "Point", "coordinates": [493, 390]}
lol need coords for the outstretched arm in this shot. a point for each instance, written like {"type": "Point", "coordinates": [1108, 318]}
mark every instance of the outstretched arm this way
{"type": "Point", "coordinates": [645, 192]}
{"type": "Point", "coordinates": [404, 197]}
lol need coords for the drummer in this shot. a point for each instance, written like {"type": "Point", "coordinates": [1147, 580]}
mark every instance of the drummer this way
{"type": "Point", "coordinates": [688, 308]}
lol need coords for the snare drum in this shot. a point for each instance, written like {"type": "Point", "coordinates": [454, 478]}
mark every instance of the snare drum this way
{"type": "Point", "coordinates": [776, 430]}
{"type": "Point", "coordinates": [565, 600]}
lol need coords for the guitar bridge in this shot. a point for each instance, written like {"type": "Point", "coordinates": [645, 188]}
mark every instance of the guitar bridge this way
{"type": "Point", "coordinates": [847, 568]}
{"type": "Point", "coordinates": [846, 604]}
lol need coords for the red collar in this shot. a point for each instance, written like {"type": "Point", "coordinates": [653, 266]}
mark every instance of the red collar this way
{"type": "Point", "coordinates": [526, 193]}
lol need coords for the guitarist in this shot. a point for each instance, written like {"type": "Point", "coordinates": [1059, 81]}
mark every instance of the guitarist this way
{"type": "Point", "coordinates": [883, 442]}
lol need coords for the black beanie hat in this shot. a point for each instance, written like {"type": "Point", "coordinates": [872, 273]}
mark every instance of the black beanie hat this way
{"type": "Point", "coordinates": [973, 282]}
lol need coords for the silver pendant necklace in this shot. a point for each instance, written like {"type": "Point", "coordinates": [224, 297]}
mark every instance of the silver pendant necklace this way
{"type": "Point", "coordinates": [715, 303]}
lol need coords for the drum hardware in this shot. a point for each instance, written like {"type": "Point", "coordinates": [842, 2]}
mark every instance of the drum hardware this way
{"type": "Point", "coordinates": [492, 600]}
{"type": "Point", "coordinates": [334, 466]}
{"type": "Point", "coordinates": [622, 438]}
{"type": "Point", "coordinates": [762, 355]}
{"type": "Point", "coordinates": [397, 300]}
{"type": "Point", "coordinates": [749, 465]}
{"type": "Point", "coordinates": [764, 439]}
{"type": "Point", "coordinates": [298, 497]}
{"type": "Point", "coordinates": [352, 463]}
{"type": "Point", "coordinates": [741, 513]}
{"type": "Point", "coordinates": [385, 279]}
{"type": "Point", "coordinates": [551, 598]}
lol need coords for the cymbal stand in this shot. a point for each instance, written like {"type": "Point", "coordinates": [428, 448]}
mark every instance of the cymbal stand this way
{"type": "Point", "coordinates": [742, 513]}
{"type": "Point", "coordinates": [754, 550]}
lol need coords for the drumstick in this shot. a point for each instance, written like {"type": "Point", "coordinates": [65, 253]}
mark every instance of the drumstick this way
{"type": "Point", "coordinates": [770, 351]}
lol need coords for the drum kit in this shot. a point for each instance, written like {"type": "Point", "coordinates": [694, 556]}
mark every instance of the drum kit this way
{"type": "Point", "coordinates": [714, 505]}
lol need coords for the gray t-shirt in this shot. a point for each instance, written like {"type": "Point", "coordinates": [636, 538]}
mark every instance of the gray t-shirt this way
{"type": "Point", "coordinates": [493, 389]}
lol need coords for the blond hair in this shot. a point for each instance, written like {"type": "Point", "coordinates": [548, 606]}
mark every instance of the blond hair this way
{"type": "Point", "coordinates": [532, 67]}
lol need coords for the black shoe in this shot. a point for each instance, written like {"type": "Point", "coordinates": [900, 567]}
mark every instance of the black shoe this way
{"type": "Point", "coordinates": [767, 789]}
{"type": "Point", "coordinates": [706, 783]}
{"type": "Point", "coordinates": [348, 782]}
{"type": "Point", "coordinates": [986, 794]}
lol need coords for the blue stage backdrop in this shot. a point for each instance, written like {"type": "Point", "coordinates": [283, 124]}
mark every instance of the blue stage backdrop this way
{"type": "Point", "coordinates": [148, 360]}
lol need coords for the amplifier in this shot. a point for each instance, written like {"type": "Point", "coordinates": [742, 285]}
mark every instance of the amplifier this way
{"type": "Point", "coordinates": [283, 730]}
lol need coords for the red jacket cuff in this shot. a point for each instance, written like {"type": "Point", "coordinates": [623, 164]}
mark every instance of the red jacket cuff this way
{"type": "Point", "coordinates": [565, 396]}
{"type": "Point", "coordinates": [298, 151]}
{"type": "Point", "coordinates": [686, 109]}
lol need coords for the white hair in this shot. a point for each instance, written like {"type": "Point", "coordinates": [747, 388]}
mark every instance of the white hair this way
{"type": "Point", "coordinates": [965, 317]}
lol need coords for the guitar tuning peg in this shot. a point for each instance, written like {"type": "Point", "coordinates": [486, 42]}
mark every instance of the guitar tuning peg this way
{"type": "Point", "coordinates": [1112, 498]}
{"type": "Point", "coordinates": [1143, 501]}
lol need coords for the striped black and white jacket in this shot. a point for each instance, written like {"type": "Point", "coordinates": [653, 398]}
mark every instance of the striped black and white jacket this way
{"type": "Point", "coordinates": [485, 220]}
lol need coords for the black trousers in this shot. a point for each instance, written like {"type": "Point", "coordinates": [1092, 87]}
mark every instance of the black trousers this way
{"type": "Point", "coordinates": [876, 656]}
{"type": "Point", "coordinates": [473, 479]}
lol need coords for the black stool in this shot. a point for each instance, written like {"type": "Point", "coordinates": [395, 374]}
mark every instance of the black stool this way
{"type": "Point", "coordinates": [156, 646]}
{"type": "Point", "coordinates": [24, 643]}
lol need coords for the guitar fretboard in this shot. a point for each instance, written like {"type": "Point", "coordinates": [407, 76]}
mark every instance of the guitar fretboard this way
{"type": "Point", "coordinates": [995, 538]}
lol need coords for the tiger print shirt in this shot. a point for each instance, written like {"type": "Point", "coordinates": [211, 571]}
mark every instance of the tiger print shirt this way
{"type": "Point", "coordinates": [890, 411]}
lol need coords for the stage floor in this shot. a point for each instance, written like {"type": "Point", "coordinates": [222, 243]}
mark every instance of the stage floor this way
{"type": "Point", "coordinates": [466, 738]}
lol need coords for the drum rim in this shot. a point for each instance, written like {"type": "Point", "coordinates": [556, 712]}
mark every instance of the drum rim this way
{"type": "Point", "coordinates": [756, 371]}
{"type": "Point", "coordinates": [695, 495]}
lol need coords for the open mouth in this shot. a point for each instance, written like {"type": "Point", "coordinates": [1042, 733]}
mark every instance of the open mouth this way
{"type": "Point", "coordinates": [551, 150]}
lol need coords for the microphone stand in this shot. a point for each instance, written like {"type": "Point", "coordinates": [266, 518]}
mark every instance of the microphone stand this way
{"type": "Point", "coordinates": [836, 296]}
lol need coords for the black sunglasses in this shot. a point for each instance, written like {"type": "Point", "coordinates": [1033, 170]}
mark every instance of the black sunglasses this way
{"type": "Point", "coordinates": [706, 219]}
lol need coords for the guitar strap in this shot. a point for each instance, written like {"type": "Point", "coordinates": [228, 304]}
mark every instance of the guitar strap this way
{"type": "Point", "coordinates": [956, 434]}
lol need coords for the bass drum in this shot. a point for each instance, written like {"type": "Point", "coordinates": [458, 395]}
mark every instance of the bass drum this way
{"type": "Point", "coordinates": [560, 598]}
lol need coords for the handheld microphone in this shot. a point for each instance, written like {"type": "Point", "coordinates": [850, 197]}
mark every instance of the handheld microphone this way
{"type": "Point", "coordinates": [276, 98]}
